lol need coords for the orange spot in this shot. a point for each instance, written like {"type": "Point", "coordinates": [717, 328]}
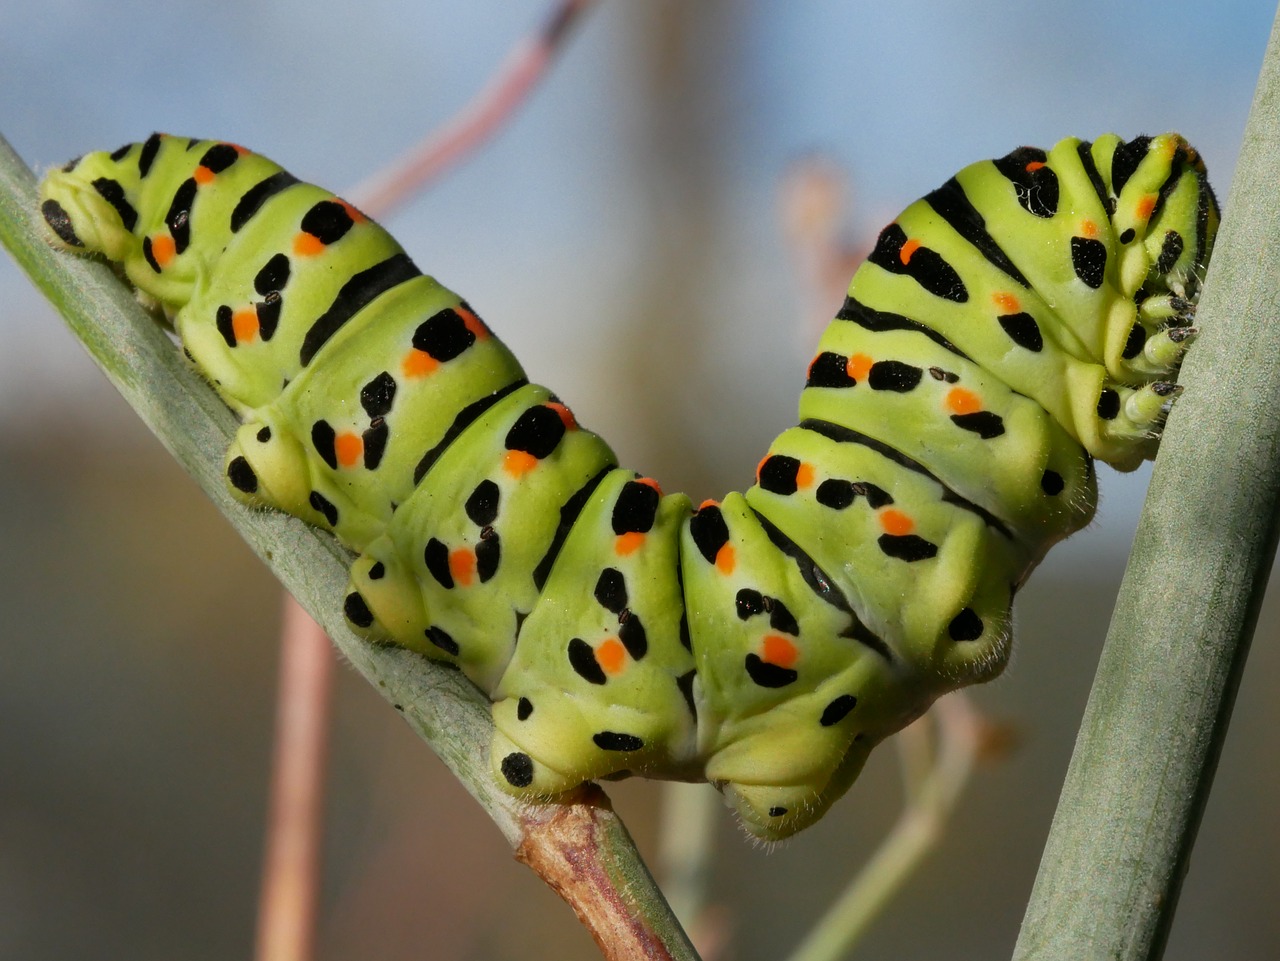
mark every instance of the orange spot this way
{"type": "Point", "coordinates": [963, 401]}
{"type": "Point", "coordinates": [1145, 207]}
{"type": "Point", "coordinates": [895, 522]}
{"type": "Point", "coordinates": [244, 325]}
{"type": "Point", "coordinates": [348, 448]}
{"type": "Point", "coordinates": [908, 248]}
{"type": "Point", "coordinates": [628, 543]}
{"type": "Point", "coordinates": [163, 249]}
{"type": "Point", "coordinates": [611, 656]}
{"type": "Point", "coordinates": [472, 322]}
{"type": "Point", "coordinates": [238, 149]}
{"type": "Point", "coordinates": [708, 503]}
{"type": "Point", "coordinates": [859, 367]}
{"type": "Point", "coordinates": [203, 175]}
{"type": "Point", "coordinates": [1088, 228]}
{"type": "Point", "coordinates": [1006, 303]}
{"type": "Point", "coordinates": [307, 245]}
{"type": "Point", "coordinates": [1033, 166]}
{"type": "Point", "coordinates": [518, 463]}
{"type": "Point", "coordinates": [804, 476]}
{"type": "Point", "coordinates": [462, 565]}
{"type": "Point", "coordinates": [356, 216]}
{"type": "Point", "coordinates": [566, 415]}
{"type": "Point", "coordinates": [726, 559]}
{"type": "Point", "coordinates": [649, 482]}
{"type": "Point", "coordinates": [779, 651]}
{"type": "Point", "coordinates": [418, 363]}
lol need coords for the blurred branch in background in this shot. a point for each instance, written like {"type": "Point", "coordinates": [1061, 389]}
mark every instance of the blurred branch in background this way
{"type": "Point", "coordinates": [476, 122]}
{"type": "Point", "coordinates": [292, 863]}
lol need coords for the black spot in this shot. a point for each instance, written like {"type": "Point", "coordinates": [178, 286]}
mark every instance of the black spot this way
{"type": "Point", "coordinates": [482, 505]}
{"type": "Point", "coordinates": [56, 217]}
{"type": "Point", "coordinates": [1034, 182]}
{"type": "Point", "coordinates": [443, 335]}
{"type": "Point", "coordinates": [222, 320]}
{"type": "Point", "coordinates": [1023, 331]}
{"type": "Point", "coordinates": [242, 476]}
{"type": "Point", "coordinates": [517, 768]}
{"type": "Point", "coordinates": [611, 590]}
{"type": "Point", "coordinates": [982, 422]}
{"type": "Point", "coordinates": [633, 636]}
{"type": "Point", "coordinates": [442, 639]}
{"type": "Point", "coordinates": [537, 431]}
{"type": "Point", "coordinates": [768, 675]}
{"type": "Point", "coordinates": [1136, 341]}
{"type": "Point", "coordinates": [378, 571]}
{"type": "Point", "coordinates": [966, 626]}
{"type": "Point", "coordinates": [374, 438]}
{"type": "Point", "coordinates": [257, 195]}
{"type": "Point", "coordinates": [328, 221]}
{"type": "Point", "coordinates": [1108, 404]}
{"type": "Point", "coordinates": [273, 276]}
{"type": "Point", "coordinates": [148, 153]}
{"type": "Point", "coordinates": [178, 218]}
{"type": "Point", "coordinates": [1089, 258]}
{"type": "Point", "coordinates": [829, 370]}
{"type": "Point", "coordinates": [612, 741]}
{"type": "Point", "coordinates": [838, 710]}
{"type": "Point", "coordinates": [895, 376]}
{"type": "Point", "coordinates": [324, 507]}
{"type": "Point", "coordinates": [781, 618]}
{"type": "Point", "coordinates": [907, 547]}
{"type": "Point", "coordinates": [582, 658]}
{"type": "Point", "coordinates": [111, 191]}
{"type": "Point", "coordinates": [357, 611]}
{"type": "Point", "coordinates": [324, 440]}
{"type": "Point", "coordinates": [777, 812]}
{"type": "Point", "coordinates": [436, 556]}
{"type": "Point", "coordinates": [219, 157]}
{"type": "Point", "coordinates": [779, 474]}
{"type": "Point", "coordinates": [524, 708]}
{"type": "Point", "coordinates": [1051, 483]}
{"type": "Point", "coordinates": [709, 531]}
{"type": "Point", "coordinates": [1126, 160]}
{"type": "Point", "coordinates": [149, 254]}
{"type": "Point", "coordinates": [923, 265]}
{"type": "Point", "coordinates": [1127, 236]}
{"type": "Point", "coordinates": [263, 435]}
{"type": "Point", "coordinates": [268, 312]}
{"type": "Point", "coordinates": [835, 493]}
{"type": "Point", "coordinates": [1170, 251]}
{"type": "Point", "coordinates": [748, 603]}
{"type": "Point", "coordinates": [636, 508]}
{"type": "Point", "coordinates": [377, 396]}
{"type": "Point", "coordinates": [488, 554]}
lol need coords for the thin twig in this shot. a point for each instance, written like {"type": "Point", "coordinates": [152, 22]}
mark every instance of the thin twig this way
{"type": "Point", "coordinates": [913, 836]}
{"type": "Point", "coordinates": [291, 869]}
{"type": "Point", "coordinates": [475, 122]}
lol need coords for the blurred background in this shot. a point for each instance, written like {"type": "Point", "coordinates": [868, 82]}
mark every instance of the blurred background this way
{"type": "Point", "coordinates": [622, 235]}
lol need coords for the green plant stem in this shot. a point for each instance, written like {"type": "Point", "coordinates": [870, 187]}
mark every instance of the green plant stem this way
{"type": "Point", "coordinates": [1145, 757]}
{"type": "Point", "coordinates": [582, 850]}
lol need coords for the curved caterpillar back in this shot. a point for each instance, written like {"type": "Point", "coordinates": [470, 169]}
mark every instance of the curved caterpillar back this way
{"type": "Point", "coordinates": [1017, 322]}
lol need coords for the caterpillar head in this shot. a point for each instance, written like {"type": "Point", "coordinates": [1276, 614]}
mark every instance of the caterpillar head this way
{"type": "Point", "coordinates": [88, 206]}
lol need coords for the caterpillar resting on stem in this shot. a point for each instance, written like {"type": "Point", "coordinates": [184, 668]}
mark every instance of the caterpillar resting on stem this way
{"type": "Point", "coordinates": [1021, 320]}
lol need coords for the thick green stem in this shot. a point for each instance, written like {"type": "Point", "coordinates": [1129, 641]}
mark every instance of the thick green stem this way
{"type": "Point", "coordinates": [1152, 732]}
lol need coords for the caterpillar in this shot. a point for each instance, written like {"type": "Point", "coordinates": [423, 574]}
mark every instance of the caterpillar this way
{"type": "Point", "coordinates": [1023, 319]}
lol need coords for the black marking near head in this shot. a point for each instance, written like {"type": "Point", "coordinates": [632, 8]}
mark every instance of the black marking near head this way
{"type": "Point", "coordinates": [60, 222]}
{"type": "Point", "coordinates": [1034, 182]}
{"type": "Point", "coordinates": [517, 768]}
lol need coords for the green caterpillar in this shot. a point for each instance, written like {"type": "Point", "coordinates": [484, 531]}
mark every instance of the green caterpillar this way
{"type": "Point", "coordinates": [1024, 318]}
